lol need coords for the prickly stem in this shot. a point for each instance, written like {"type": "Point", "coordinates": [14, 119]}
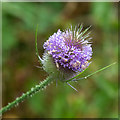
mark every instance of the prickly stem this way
{"type": "Point", "coordinates": [26, 95]}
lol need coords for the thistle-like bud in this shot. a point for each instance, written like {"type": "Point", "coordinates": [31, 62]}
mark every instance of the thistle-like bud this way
{"type": "Point", "coordinates": [67, 53]}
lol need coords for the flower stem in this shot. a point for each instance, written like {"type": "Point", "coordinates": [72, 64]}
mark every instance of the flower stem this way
{"type": "Point", "coordinates": [42, 85]}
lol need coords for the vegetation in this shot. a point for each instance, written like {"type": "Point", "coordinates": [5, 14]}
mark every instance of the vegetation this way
{"type": "Point", "coordinates": [97, 96]}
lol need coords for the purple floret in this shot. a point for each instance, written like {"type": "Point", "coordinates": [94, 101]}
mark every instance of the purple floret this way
{"type": "Point", "coordinates": [70, 49]}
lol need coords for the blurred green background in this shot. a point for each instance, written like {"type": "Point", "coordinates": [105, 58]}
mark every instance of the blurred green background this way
{"type": "Point", "coordinates": [97, 96]}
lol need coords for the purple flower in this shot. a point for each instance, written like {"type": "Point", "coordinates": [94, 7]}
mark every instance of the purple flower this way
{"type": "Point", "coordinates": [70, 49]}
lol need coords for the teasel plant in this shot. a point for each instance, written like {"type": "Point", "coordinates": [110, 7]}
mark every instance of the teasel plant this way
{"type": "Point", "coordinates": [67, 55]}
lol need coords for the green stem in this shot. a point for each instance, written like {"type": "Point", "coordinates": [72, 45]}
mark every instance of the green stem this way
{"type": "Point", "coordinates": [26, 95]}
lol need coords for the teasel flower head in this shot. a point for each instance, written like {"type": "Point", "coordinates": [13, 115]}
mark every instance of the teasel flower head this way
{"type": "Point", "coordinates": [68, 52]}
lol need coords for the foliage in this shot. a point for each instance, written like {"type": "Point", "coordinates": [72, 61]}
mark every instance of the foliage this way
{"type": "Point", "coordinates": [97, 96]}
